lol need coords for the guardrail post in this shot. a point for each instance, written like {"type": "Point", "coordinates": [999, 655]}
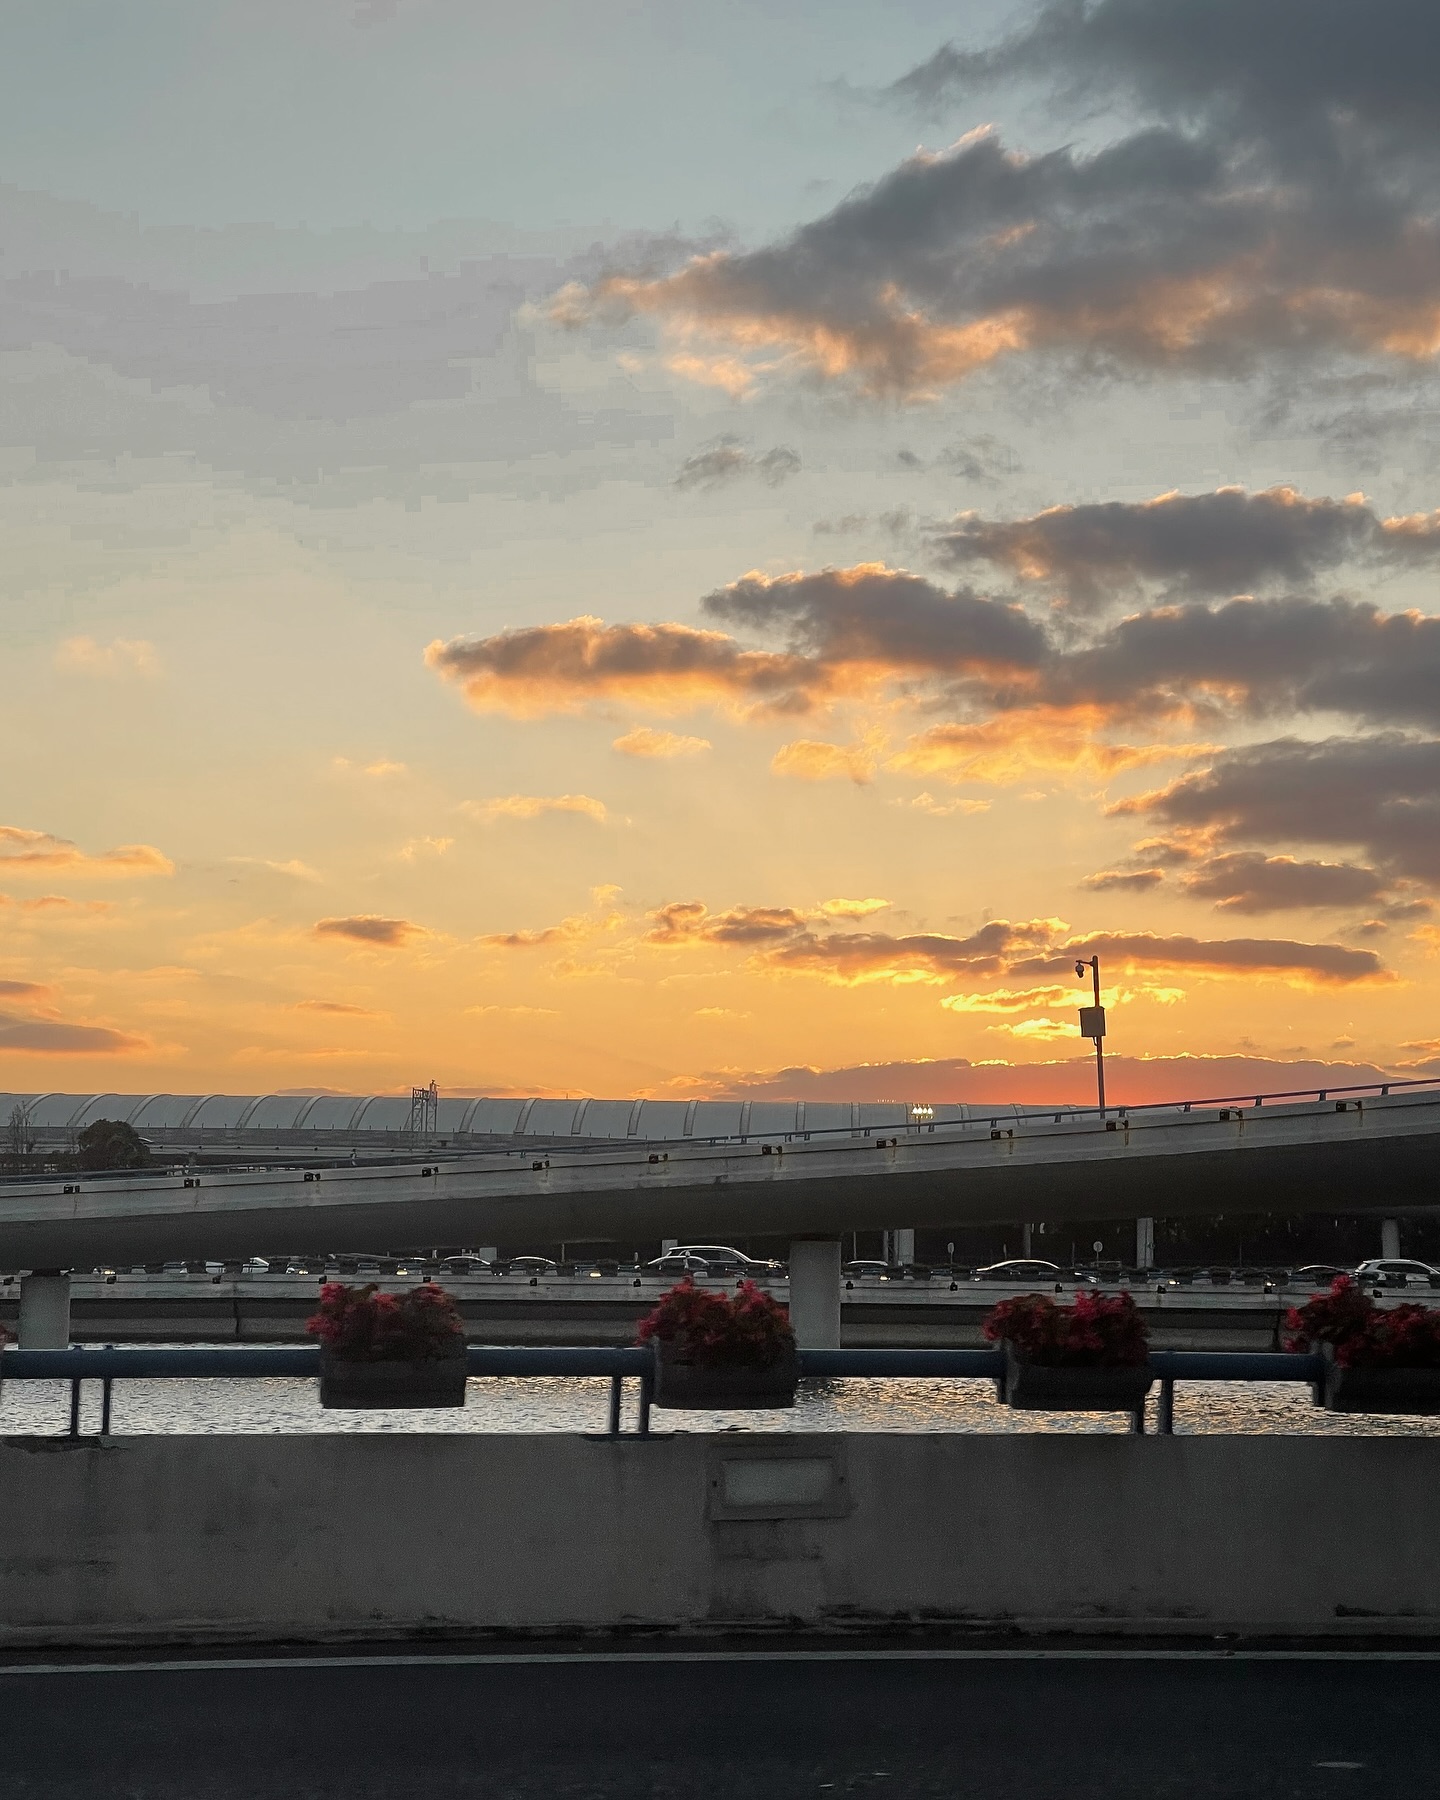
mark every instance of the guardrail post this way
{"type": "Point", "coordinates": [647, 1390]}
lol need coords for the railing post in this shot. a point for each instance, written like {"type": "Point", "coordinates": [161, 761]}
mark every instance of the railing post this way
{"type": "Point", "coordinates": [647, 1389]}
{"type": "Point", "coordinates": [1165, 1409]}
{"type": "Point", "coordinates": [617, 1390]}
{"type": "Point", "coordinates": [74, 1406]}
{"type": "Point", "coordinates": [105, 1387]}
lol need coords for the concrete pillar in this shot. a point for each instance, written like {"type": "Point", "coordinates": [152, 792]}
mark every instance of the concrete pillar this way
{"type": "Point", "coordinates": [1389, 1237]}
{"type": "Point", "coordinates": [45, 1310]}
{"type": "Point", "coordinates": [903, 1247]}
{"type": "Point", "coordinates": [815, 1294]}
{"type": "Point", "coordinates": [1144, 1243]}
{"type": "Point", "coordinates": [1026, 1233]}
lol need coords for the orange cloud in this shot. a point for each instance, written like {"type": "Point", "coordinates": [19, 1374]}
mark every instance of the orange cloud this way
{"type": "Point", "coordinates": [568, 931]}
{"type": "Point", "coordinates": [1009, 1000]}
{"type": "Point", "coordinates": [927, 803]}
{"type": "Point", "coordinates": [1015, 744]}
{"type": "Point", "coordinates": [808, 760]}
{"type": "Point", "coordinates": [852, 909]}
{"type": "Point", "coordinates": [25, 852]}
{"type": "Point", "coordinates": [670, 668]}
{"type": "Point", "coordinates": [341, 1008]}
{"type": "Point", "coordinates": [534, 806]}
{"type": "Point", "coordinates": [646, 742]}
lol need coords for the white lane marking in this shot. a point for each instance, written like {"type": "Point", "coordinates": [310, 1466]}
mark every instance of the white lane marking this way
{"type": "Point", "coordinates": [543, 1658]}
{"type": "Point", "coordinates": [1337, 1765]}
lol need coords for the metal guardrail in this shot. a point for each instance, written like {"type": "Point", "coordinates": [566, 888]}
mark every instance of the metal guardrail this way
{"type": "Point", "coordinates": [203, 1364]}
{"type": "Point", "coordinates": [311, 1155]}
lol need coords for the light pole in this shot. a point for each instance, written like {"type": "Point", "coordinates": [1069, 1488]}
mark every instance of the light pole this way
{"type": "Point", "coordinates": [1092, 1024]}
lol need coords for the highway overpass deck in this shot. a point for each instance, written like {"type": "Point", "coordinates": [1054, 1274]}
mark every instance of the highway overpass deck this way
{"type": "Point", "coordinates": [1376, 1150]}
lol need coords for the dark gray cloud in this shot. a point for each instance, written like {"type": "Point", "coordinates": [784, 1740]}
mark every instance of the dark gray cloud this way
{"type": "Point", "coordinates": [1235, 956]}
{"type": "Point", "coordinates": [371, 929]}
{"type": "Point", "coordinates": [1226, 542]}
{"type": "Point", "coordinates": [728, 459]}
{"type": "Point", "coordinates": [785, 940]}
{"type": "Point", "coordinates": [983, 459]}
{"type": "Point", "coordinates": [34, 993]}
{"type": "Point", "coordinates": [852, 630]}
{"type": "Point", "coordinates": [1274, 67]}
{"type": "Point", "coordinates": [691, 921]}
{"type": "Point", "coordinates": [1271, 208]}
{"type": "Point", "coordinates": [873, 615]}
{"type": "Point", "coordinates": [1380, 795]}
{"type": "Point", "coordinates": [56, 1037]}
{"type": "Point", "coordinates": [1260, 657]}
{"type": "Point", "coordinates": [1248, 881]}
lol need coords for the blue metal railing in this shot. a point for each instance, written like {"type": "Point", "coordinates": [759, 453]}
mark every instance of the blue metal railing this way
{"type": "Point", "coordinates": [110, 1365]}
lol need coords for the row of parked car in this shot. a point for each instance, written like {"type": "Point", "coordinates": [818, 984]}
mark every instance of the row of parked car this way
{"type": "Point", "coordinates": [717, 1261]}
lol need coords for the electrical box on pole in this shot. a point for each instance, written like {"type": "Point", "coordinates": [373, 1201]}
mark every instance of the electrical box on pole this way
{"type": "Point", "coordinates": [1092, 1022]}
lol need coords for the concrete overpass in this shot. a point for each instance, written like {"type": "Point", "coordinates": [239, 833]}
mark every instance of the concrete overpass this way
{"type": "Point", "coordinates": [1374, 1149]}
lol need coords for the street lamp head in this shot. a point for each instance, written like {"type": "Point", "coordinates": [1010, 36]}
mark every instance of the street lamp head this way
{"type": "Point", "coordinates": [1081, 969]}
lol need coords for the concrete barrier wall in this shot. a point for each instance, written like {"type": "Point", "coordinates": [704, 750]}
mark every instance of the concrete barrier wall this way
{"type": "Point", "coordinates": [335, 1537]}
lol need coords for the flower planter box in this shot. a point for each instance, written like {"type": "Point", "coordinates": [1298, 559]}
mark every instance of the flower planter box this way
{"type": "Point", "coordinates": [434, 1381]}
{"type": "Point", "coordinates": [712, 1387]}
{"type": "Point", "coordinates": [1041, 1387]}
{"type": "Point", "coordinates": [1393, 1390]}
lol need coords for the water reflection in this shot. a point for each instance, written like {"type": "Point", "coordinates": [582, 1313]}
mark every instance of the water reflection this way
{"type": "Point", "coordinates": [550, 1403]}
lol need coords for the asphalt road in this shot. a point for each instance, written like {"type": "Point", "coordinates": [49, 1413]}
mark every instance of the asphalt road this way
{"type": "Point", "coordinates": [681, 1729]}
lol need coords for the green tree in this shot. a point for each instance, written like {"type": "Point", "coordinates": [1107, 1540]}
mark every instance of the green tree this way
{"type": "Point", "coordinates": [109, 1144]}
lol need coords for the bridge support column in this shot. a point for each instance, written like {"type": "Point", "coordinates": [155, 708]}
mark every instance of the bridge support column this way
{"type": "Point", "coordinates": [815, 1294]}
{"type": "Point", "coordinates": [902, 1247]}
{"type": "Point", "coordinates": [1389, 1237]}
{"type": "Point", "coordinates": [1027, 1235]}
{"type": "Point", "coordinates": [1144, 1243]}
{"type": "Point", "coordinates": [45, 1310]}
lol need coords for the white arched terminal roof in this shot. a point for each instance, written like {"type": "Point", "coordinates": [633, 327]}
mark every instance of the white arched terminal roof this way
{"type": "Point", "coordinates": [324, 1120]}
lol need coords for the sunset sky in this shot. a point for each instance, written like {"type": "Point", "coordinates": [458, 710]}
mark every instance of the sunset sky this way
{"type": "Point", "coordinates": [613, 547]}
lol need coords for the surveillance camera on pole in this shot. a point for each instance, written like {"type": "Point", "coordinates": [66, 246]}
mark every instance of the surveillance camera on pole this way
{"type": "Point", "coordinates": [1092, 1024]}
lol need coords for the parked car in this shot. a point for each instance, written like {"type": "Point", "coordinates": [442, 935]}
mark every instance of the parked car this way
{"type": "Point", "coordinates": [1397, 1271]}
{"type": "Point", "coordinates": [711, 1259]}
{"type": "Point", "coordinates": [532, 1265]}
{"type": "Point", "coordinates": [1317, 1275]}
{"type": "Point", "coordinates": [1019, 1268]}
{"type": "Point", "coordinates": [863, 1266]}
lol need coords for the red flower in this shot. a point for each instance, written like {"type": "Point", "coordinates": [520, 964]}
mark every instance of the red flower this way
{"type": "Point", "coordinates": [1098, 1331]}
{"type": "Point", "coordinates": [748, 1329]}
{"type": "Point", "coordinates": [364, 1325]}
{"type": "Point", "coordinates": [1362, 1334]}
